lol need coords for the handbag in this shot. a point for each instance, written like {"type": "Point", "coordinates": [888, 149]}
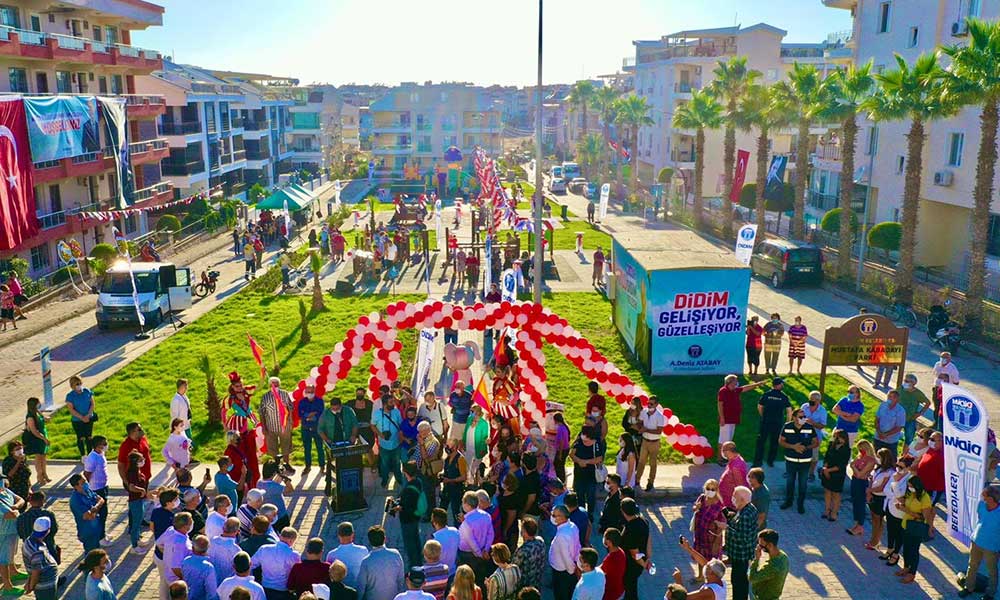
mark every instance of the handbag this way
{"type": "Point", "coordinates": [601, 473]}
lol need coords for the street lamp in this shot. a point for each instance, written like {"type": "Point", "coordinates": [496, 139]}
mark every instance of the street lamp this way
{"type": "Point", "coordinates": [538, 168]}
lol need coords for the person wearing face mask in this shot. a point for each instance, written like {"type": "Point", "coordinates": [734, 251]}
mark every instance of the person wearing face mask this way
{"type": "Point", "coordinates": [849, 410]}
{"type": "Point", "coordinates": [767, 580]}
{"type": "Point", "coordinates": [708, 521]}
{"type": "Point", "coordinates": [861, 469]}
{"type": "Point", "coordinates": [797, 336]}
{"type": "Point", "coordinates": [890, 419]}
{"type": "Point", "coordinates": [741, 538]}
{"type": "Point", "coordinates": [920, 444]}
{"type": "Point", "coordinates": [611, 514]}
{"type": "Point", "coordinates": [833, 473]}
{"type": "Point", "coordinates": [754, 345]}
{"type": "Point", "coordinates": [15, 467]}
{"type": "Point", "coordinates": [162, 519]}
{"type": "Point", "coordinates": [914, 402]}
{"type": "Point", "coordinates": [138, 488]}
{"type": "Point", "coordinates": [816, 416]}
{"type": "Point", "coordinates": [773, 332]}
{"type": "Point", "coordinates": [386, 423]}
{"type": "Point", "coordinates": [651, 423]}
{"type": "Point", "coordinates": [135, 439]}
{"type": "Point", "coordinates": [592, 579]}
{"type": "Point", "coordinates": [627, 461]}
{"type": "Point", "coordinates": [95, 469]}
{"type": "Point", "coordinates": [225, 485]}
{"type": "Point", "coordinates": [453, 477]}
{"type": "Point", "coordinates": [918, 519]}
{"type": "Point", "coordinates": [985, 544]}
{"type": "Point", "coordinates": [774, 409]}
{"type": "Point", "coordinates": [894, 490]}
{"type": "Point", "coordinates": [82, 410]}
{"type": "Point", "coordinates": [930, 470]}
{"type": "Point", "coordinates": [86, 507]}
{"type": "Point", "coordinates": [11, 506]}
{"type": "Point", "coordinates": [945, 371]}
{"type": "Point", "coordinates": [798, 438]}
{"type": "Point", "coordinates": [735, 473]}
{"type": "Point", "coordinates": [597, 410]}
{"type": "Point", "coordinates": [730, 406]}
{"type": "Point", "coordinates": [310, 408]}
{"type": "Point", "coordinates": [563, 552]}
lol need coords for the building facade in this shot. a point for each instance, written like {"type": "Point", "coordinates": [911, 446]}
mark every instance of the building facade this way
{"type": "Point", "coordinates": [83, 47]}
{"type": "Point", "coordinates": [413, 125]}
{"type": "Point", "coordinates": [883, 28]}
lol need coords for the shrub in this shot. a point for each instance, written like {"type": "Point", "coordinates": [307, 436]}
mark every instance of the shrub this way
{"type": "Point", "coordinates": [63, 275]}
{"type": "Point", "coordinates": [831, 221]}
{"type": "Point", "coordinates": [98, 266]}
{"type": "Point", "coordinates": [105, 252]}
{"type": "Point", "coordinates": [256, 193]}
{"type": "Point", "coordinates": [665, 174]}
{"type": "Point", "coordinates": [886, 236]}
{"type": "Point", "coordinates": [168, 223]}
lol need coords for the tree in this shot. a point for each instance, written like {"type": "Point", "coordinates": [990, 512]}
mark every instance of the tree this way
{"type": "Point", "coordinates": [665, 175]}
{"type": "Point", "coordinates": [917, 92]}
{"type": "Point", "coordinates": [316, 265]}
{"type": "Point", "coordinates": [849, 88]}
{"type": "Point", "coordinates": [212, 405]}
{"type": "Point", "coordinates": [588, 152]}
{"type": "Point", "coordinates": [975, 79]}
{"type": "Point", "coordinates": [633, 114]}
{"type": "Point", "coordinates": [304, 335]}
{"type": "Point", "coordinates": [604, 102]}
{"type": "Point", "coordinates": [833, 222]}
{"type": "Point", "coordinates": [168, 223]}
{"type": "Point", "coordinates": [581, 95]}
{"type": "Point", "coordinates": [780, 205]}
{"type": "Point", "coordinates": [886, 236]}
{"type": "Point", "coordinates": [765, 109]}
{"type": "Point", "coordinates": [700, 113]}
{"type": "Point", "coordinates": [105, 252]}
{"type": "Point", "coordinates": [256, 193]}
{"type": "Point", "coordinates": [805, 94]}
{"type": "Point", "coordinates": [732, 80]}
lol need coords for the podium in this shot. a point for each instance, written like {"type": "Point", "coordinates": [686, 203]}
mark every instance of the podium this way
{"type": "Point", "coordinates": [345, 466]}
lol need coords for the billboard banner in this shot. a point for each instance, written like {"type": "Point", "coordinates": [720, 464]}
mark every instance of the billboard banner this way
{"type": "Point", "coordinates": [629, 315]}
{"type": "Point", "coordinates": [966, 426]}
{"type": "Point", "coordinates": [116, 130]}
{"type": "Point", "coordinates": [774, 185]}
{"type": "Point", "coordinates": [745, 240]}
{"type": "Point", "coordinates": [62, 126]}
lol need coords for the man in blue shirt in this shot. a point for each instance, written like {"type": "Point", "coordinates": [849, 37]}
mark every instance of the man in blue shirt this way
{"type": "Point", "coordinates": [199, 572]}
{"type": "Point", "coordinates": [849, 410]}
{"type": "Point", "coordinates": [80, 402]}
{"type": "Point", "coordinates": [386, 423]}
{"type": "Point", "coordinates": [580, 518]}
{"type": "Point", "coordinates": [460, 402]}
{"type": "Point", "coordinates": [591, 583]}
{"type": "Point", "coordinates": [310, 410]}
{"type": "Point", "coordinates": [85, 506]}
{"type": "Point", "coordinates": [275, 485]}
{"type": "Point", "coordinates": [985, 544]}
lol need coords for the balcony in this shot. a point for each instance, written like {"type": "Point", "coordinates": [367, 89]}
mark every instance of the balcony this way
{"type": "Point", "coordinates": [688, 49]}
{"type": "Point", "coordinates": [145, 106]}
{"type": "Point", "coordinates": [686, 87]}
{"type": "Point", "coordinates": [84, 165]}
{"type": "Point", "coordinates": [183, 128]}
{"type": "Point", "coordinates": [155, 194]}
{"type": "Point", "coordinates": [257, 154]}
{"type": "Point", "coordinates": [149, 151]}
{"type": "Point", "coordinates": [50, 220]}
{"type": "Point", "coordinates": [628, 63]}
{"type": "Point", "coordinates": [36, 45]}
{"type": "Point", "coordinates": [802, 52]}
{"type": "Point", "coordinates": [256, 125]}
{"type": "Point", "coordinates": [424, 149]}
{"type": "Point", "coordinates": [393, 149]}
{"type": "Point", "coordinates": [239, 155]}
{"type": "Point", "coordinates": [828, 151]}
{"type": "Point", "coordinates": [424, 126]}
{"type": "Point", "coordinates": [823, 201]}
{"type": "Point", "coordinates": [182, 169]}
{"type": "Point", "coordinates": [393, 127]}
{"type": "Point", "coordinates": [683, 158]}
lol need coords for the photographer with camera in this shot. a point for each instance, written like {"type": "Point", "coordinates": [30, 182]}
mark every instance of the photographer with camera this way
{"type": "Point", "coordinates": [275, 484]}
{"type": "Point", "coordinates": [386, 423]}
{"type": "Point", "coordinates": [410, 507]}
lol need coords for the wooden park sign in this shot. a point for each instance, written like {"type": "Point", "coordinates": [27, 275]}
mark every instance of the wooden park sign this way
{"type": "Point", "coordinates": [865, 339]}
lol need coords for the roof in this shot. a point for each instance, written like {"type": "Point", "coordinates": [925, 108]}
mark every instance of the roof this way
{"type": "Point", "coordinates": [725, 31]}
{"type": "Point", "coordinates": [676, 249]}
{"type": "Point", "coordinates": [298, 199]}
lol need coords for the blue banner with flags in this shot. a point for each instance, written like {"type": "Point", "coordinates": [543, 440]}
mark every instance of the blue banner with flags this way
{"type": "Point", "coordinates": [62, 126]}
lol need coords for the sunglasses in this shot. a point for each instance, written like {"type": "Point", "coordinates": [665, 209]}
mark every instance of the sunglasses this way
{"type": "Point", "coordinates": [711, 489]}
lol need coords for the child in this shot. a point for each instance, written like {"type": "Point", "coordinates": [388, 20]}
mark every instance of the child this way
{"type": "Point", "coordinates": [7, 307]}
{"type": "Point", "coordinates": [177, 449]}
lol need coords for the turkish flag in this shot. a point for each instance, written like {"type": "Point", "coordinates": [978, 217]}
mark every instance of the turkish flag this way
{"type": "Point", "coordinates": [739, 175]}
{"type": "Point", "coordinates": [18, 221]}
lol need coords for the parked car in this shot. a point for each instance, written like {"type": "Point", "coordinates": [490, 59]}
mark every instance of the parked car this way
{"type": "Point", "coordinates": [578, 185]}
{"type": "Point", "coordinates": [556, 172]}
{"type": "Point", "coordinates": [782, 262]}
{"type": "Point", "coordinates": [557, 185]}
{"type": "Point", "coordinates": [591, 191]}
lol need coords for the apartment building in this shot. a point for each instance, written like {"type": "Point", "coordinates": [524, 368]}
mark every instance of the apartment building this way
{"type": "Point", "coordinates": [883, 28]}
{"type": "Point", "coordinates": [667, 70]}
{"type": "Point", "coordinates": [569, 123]}
{"type": "Point", "coordinates": [84, 47]}
{"type": "Point", "coordinates": [414, 124]}
{"type": "Point", "coordinates": [324, 128]}
{"type": "Point", "coordinates": [204, 129]}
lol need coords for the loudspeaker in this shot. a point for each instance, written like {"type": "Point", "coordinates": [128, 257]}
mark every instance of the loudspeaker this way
{"type": "Point", "coordinates": [168, 277]}
{"type": "Point", "coordinates": [343, 289]}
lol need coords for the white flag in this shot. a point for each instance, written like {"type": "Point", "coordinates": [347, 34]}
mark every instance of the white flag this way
{"type": "Point", "coordinates": [966, 427]}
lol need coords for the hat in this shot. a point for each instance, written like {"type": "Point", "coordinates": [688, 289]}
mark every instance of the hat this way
{"type": "Point", "coordinates": [416, 575]}
{"type": "Point", "coordinates": [42, 524]}
{"type": "Point", "coordinates": [778, 381]}
{"type": "Point", "coordinates": [234, 377]}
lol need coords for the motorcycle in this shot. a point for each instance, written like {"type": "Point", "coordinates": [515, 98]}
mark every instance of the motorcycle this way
{"type": "Point", "coordinates": [207, 284]}
{"type": "Point", "coordinates": [942, 330]}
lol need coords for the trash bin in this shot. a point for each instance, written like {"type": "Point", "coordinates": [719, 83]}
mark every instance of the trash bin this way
{"type": "Point", "coordinates": [564, 212]}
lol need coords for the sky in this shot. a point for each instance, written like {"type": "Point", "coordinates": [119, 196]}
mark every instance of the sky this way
{"type": "Point", "coordinates": [389, 41]}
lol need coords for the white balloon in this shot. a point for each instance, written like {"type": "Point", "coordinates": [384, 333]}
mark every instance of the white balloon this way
{"type": "Point", "coordinates": [310, 381]}
{"type": "Point", "coordinates": [699, 460]}
{"type": "Point", "coordinates": [673, 420]}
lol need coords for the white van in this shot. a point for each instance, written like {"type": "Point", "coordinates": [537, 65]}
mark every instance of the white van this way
{"type": "Point", "coordinates": [570, 171]}
{"type": "Point", "coordinates": [162, 288]}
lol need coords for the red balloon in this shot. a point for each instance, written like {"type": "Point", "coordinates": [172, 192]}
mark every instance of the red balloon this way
{"type": "Point", "coordinates": [364, 320]}
{"type": "Point", "coordinates": [668, 413]}
{"type": "Point", "coordinates": [446, 322]}
{"type": "Point", "coordinates": [390, 310]}
{"type": "Point", "coordinates": [668, 429]}
{"type": "Point", "coordinates": [297, 394]}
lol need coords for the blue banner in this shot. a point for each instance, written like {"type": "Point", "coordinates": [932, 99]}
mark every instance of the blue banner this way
{"type": "Point", "coordinates": [62, 126]}
{"type": "Point", "coordinates": [681, 321]}
{"type": "Point", "coordinates": [116, 131]}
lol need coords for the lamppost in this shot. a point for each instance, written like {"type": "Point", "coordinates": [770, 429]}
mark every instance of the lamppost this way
{"type": "Point", "coordinates": [868, 200]}
{"type": "Point", "coordinates": [538, 167]}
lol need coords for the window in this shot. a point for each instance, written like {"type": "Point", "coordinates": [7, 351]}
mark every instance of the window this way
{"type": "Point", "coordinates": [41, 82]}
{"type": "Point", "coordinates": [102, 81]}
{"type": "Point", "coordinates": [131, 224]}
{"type": "Point", "coordinates": [40, 257]}
{"type": "Point", "coordinates": [116, 85]}
{"type": "Point", "coordinates": [98, 34]}
{"type": "Point", "coordinates": [18, 80]}
{"type": "Point", "coordinates": [36, 23]}
{"type": "Point", "coordinates": [64, 84]}
{"type": "Point", "coordinates": [55, 199]}
{"type": "Point", "coordinates": [956, 141]}
{"type": "Point", "coordinates": [883, 17]}
{"type": "Point", "coordinates": [872, 140]}
{"type": "Point", "coordinates": [111, 34]}
{"type": "Point", "coordinates": [10, 16]}
{"type": "Point", "coordinates": [900, 164]}
{"type": "Point", "coordinates": [993, 238]}
{"type": "Point", "coordinates": [913, 38]}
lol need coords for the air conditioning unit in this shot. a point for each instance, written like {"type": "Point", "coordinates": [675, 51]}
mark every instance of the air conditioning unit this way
{"type": "Point", "coordinates": [959, 29]}
{"type": "Point", "coordinates": [944, 178]}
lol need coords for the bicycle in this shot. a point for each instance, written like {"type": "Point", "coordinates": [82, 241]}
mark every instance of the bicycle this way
{"type": "Point", "coordinates": [207, 284]}
{"type": "Point", "coordinates": [900, 313]}
{"type": "Point", "coordinates": [298, 279]}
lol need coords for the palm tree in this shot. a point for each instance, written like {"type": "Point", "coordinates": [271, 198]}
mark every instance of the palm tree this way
{"type": "Point", "coordinates": [732, 79]}
{"type": "Point", "coordinates": [212, 405]}
{"type": "Point", "coordinates": [917, 92]}
{"type": "Point", "coordinates": [633, 113]}
{"type": "Point", "coordinates": [316, 265]}
{"type": "Point", "coordinates": [604, 101]}
{"type": "Point", "coordinates": [589, 151]}
{"type": "Point", "coordinates": [700, 113]}
{"type": "Point", "coordinates": [849, 88]}
{"type": "Point", "coordinates": [763, 108]}
{"type": "Point", "coordinates": [581, 95]}
{"type": "Point", "coordinates": [805, 94]}
{"type": "Point", "coordinates": [975, 79]}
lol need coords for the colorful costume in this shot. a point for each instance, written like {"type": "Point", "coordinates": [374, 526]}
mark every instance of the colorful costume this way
{"type": "Point", "coordinates": [239, 417]}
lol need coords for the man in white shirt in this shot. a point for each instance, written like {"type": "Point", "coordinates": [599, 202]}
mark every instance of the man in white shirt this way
{"type": "Point", "coordinates": [651, 423]}
{"type": "Point", "coordinates": [815, 416]}
{"type": "Point", "coordinates": [276, 560]}
{"type": "Point", "coordinates": [243, 578]}
{"type": "Point", "coordinates": [563, 554]}
{"type": "Point", "coordinates": [224, 548]}
{"type": "Point", "coordinates": [180, 406]}
{"type": "Point", "coordinates": [476, 534]}
{"type": "Point", "coordinates": [945, 367]}
{"type": "Point", "coordinates": [175, 546]}
{"type": "Point", "coordinates": [217, 519]}
{"type": "Point", "coordinates": [447, 536]}
{"type": "Point", "coordinates": [348, 552]}
{"type": "Point", "coordinates": [435, 413]}
{"type": "Point", "coordinates": [95, 469]}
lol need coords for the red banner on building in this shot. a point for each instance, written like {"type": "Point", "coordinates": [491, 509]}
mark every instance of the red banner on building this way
{"type": "Point", "coordinates": [739, 174]}
{"type": "Point", "coordinates": [18, 221]}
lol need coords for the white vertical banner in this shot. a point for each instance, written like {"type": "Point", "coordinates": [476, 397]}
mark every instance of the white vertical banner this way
{"type": "Point", "coordinates": [425, 356]}
{"type": "Point", "coordinates": [487, 266]}
{"type": "Point", "coordinates": [966, 426]}
{"type": "Point", "coordinates": [508, 285]}
{"type": "Point", "coordinates": [439, 228]}
{"type": "Point", "coordinates": [122, 244]}
{"type": "Point", "coordinates": [745, 240]}
{"type": "Point", "coordinates": [602, 207]}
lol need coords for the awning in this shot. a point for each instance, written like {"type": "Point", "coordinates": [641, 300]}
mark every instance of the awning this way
{"type": "Point", "coordinates": [296, 200]}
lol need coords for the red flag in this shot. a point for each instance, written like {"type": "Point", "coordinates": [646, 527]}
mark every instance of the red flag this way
{"type": "Point", "coordinates": [18, 221]}
{"type": "Point", "coordinates": [258, 355]}
{"type": "Point", "coordinates": [739, 174]}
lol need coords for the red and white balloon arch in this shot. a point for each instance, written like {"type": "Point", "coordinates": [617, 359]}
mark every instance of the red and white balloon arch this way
{"type": "Point", "coordinates": [535, 325]}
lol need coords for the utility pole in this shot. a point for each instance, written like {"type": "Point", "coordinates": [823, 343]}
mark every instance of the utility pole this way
{"type": "Point", "coordinates": [539, 256]}
{"type": "Point", "coordinates": [868, 200]}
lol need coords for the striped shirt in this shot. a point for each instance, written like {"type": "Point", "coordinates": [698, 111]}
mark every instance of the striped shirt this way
{"type": "Point", "coordinates": [436, 579]}
{"type": "Point", "coordinates": [269, 411]}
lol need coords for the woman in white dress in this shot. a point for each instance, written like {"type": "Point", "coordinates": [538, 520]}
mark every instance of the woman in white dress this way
{"type": "Point", "coordinates": [626, 460]}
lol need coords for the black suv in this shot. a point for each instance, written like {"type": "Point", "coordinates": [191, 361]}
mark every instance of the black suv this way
{"type": "Point", "coordinates": [783, 261]}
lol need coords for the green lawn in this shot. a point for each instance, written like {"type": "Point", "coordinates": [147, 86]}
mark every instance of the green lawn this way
{"type": "Point", "coordinates": [142, 390]}
{"type": "Point", "coordinates": [565, 238]}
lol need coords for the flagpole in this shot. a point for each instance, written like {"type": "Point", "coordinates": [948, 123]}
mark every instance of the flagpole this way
{"type": "Point", "coordinates": [539, 195]}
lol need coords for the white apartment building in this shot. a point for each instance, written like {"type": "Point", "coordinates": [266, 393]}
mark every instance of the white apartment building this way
{"type": "Point", "coordinates": [883, 28]}
{"type": "Point", "coordinates": [667, 70]}
{"type": "Point", "coordinates": [323, 128]}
